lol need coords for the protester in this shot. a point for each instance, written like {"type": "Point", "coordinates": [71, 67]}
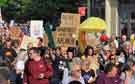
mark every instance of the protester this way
{"type": "Point", "coordinates": [111, 61]}
{"type": "Point", "coordinates": [89, 55]}
{"type": "Point", "coordinates": [39, 45]}
{"type": "Point", "coordinates": [114, 42]}
{"type": "Point", "coordinates": [122, 41]}
{"type": "Point", "coordinates": [109, 76]}
{"type": "Point", "coordinates": [122, 57]}
{"type": "Point", "coordinates": [75, 75]}
{"type": "Point", "coordinates": [59, 63]}
{"type": "Point", "coordinates": [70, 57]}
{"type": "Point", "coordinates": [19, 66]}
{"type": "Point", "coordinates": [104, 57]}
{"type": "Point", "coordinates": [37, 70]}
{"type": "Point", "coordinates": [88, 74]}
{"type": "Point", "coordinates": [127, 75]}
{"type": "Point", "coordinates": [9, 57]}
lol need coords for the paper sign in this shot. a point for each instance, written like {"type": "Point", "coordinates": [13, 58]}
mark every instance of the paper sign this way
{"type": "Point", "coordinates": [36, 28]}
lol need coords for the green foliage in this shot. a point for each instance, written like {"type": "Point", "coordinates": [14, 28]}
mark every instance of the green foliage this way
{"type": "Point", "coordinates": [3, 2]}
{"type": "Point", "coordinates": [37, 9]}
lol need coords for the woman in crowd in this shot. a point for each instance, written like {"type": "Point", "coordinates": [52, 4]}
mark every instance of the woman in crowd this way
{"type": "Point", "coordinates": [91, 57]}
{"type": "Point", "coordinates": [104, 57]}
{"type": "Point", "coordinates": [128, 74]}
{"type": "Point", "coordinates": [88, 53]}
{"type": "Point", "coordinates": [87, 73]}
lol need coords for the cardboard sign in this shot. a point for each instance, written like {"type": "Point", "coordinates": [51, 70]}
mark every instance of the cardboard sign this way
{"type": "Point", "coordinates": [70, 20]}
{"type": "Point", "coordinates": [15, 32]}
{"type": "Point", "coordinates": [66, 36]}
{"type": "Point", "coordinates": [36, 28]}
{"type": "Point", "coordinates": [68, 30]}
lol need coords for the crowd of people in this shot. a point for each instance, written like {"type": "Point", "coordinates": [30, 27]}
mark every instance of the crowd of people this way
{"type": "Point", "coordinates": [110, 62]}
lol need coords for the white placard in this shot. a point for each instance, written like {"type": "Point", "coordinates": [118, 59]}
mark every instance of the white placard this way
{"type": "Point", "coordinates": [36, 28]}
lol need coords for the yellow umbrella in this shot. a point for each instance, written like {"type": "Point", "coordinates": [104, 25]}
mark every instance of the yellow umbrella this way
{"type": "Point", "coordinates": [93, 24]}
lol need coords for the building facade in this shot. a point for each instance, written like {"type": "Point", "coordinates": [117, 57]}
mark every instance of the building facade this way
{"type": "Point", "coordinates": [118, 14]}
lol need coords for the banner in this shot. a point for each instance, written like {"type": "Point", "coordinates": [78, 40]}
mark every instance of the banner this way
{"type": "Point", "coordinates": [36, 28]}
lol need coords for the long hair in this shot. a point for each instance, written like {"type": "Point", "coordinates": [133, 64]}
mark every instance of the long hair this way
{"type": "Point", "coordinates": [86, 52]}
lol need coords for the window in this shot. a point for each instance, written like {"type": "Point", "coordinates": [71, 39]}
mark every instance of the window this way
{"type": "Point", "coordinates": [133, 15]}
{"type": "Point", "coordinates": [99, 8]}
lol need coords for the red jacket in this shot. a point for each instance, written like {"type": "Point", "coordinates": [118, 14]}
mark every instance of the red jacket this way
{"type": "Point", "coordinates": [33, 69]}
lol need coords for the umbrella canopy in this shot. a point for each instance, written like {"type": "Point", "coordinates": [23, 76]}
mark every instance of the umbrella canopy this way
{"type": "Point", "coordinates": [93, 24]}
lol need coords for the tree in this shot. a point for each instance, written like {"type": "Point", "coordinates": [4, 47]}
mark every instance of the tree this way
{"type": "Point", "coordinates": [3, 2]}
{"type": "Point", "coordinates": [38, 9]}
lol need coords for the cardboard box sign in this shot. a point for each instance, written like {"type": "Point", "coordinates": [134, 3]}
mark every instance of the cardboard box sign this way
{"type": "Point", "coordinates": [66, 36]}
{"type": "Point", "coordinates": [70, 20]}
{"type": "Point", "coordinates": [66, 41]}
{"type": "Point", "coordinates": [15, 32]}
{"type": "Point", "coordinates": [68, 30]}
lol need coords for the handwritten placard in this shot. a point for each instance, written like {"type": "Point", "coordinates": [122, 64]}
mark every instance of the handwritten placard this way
{"type": "Point", "coordinates": [66, 36]}
{"type": "Point", "coordinates": [70, 20]}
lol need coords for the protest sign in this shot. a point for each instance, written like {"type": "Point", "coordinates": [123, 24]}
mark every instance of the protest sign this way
{"type": "Point", "coordinates": [70, 20]}
{"type": "Point", "coordinates": [15, 32]}
{"type": "Point", "coordinates": [68, 30]}
{"type": "Point", "coordinates": [66, 36]}
{"type": "Point", "coordinates": [36, 28]}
